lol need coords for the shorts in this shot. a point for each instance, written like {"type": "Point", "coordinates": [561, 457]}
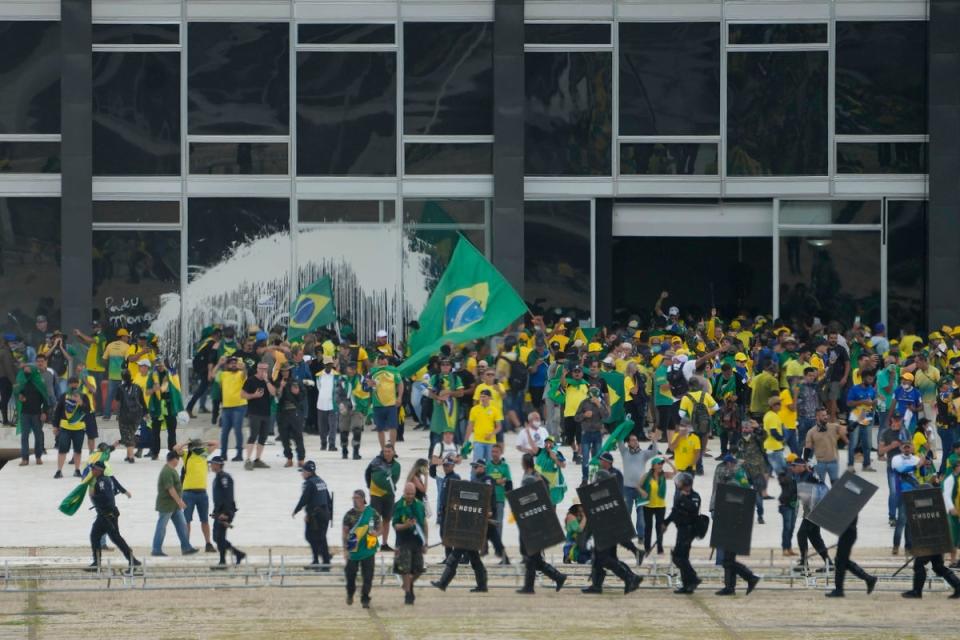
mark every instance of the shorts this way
{"type": "Point", "coordinates": [384, 418]}
{"type": "Point", "coordinates": [383, 505]}
{"type": "Point", "coordinates": [834, 390]}
{"type": "Point", "coordinates": [259, 426]}
{"type": "Point", "coordinates": [196, 498]}
{"type": "Point", "coordinates": [667, 416]}
{"type": "Point", "coordinates": [128, 434]}
{"type": "Point", "coordinates": [571, 431]}
{"type": "Point", "coordinates": [66, 438]}
{"type": "Point", "coordinates": [350, 421]}
{"type": "Point", "coordinates": [408, 559]}
{"type": "Point", "coordinates": [91, 427]}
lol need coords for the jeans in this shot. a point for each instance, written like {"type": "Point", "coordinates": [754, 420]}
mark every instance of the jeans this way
{"type": "Point", "coordinates": [482, 451]}
{"type": "Point", "coordinates": [901, 530]}
{"type": "Point", "coordinates": [859, 439]}
{"type": "Point", "coordinates": [31, 424]}
{"type": "Point", "coordinates": [590, 443]}
{"type": "Point", "coordinates": [777, 462]}
{"type": "Point", "coordinates": [891, 493]}
{"type": "Point", "coordinates": [789, 514]}
{"type": "Point", "coordinates": [513, 401]}
{"type": "Point", "coordinates": [632, 497]}
{"type": "Point", "coordinates": [947, 438]}
{"type": "Point", "coordinates": [112, 386]}
{"type": "Point", "coordinates": [179, 523]}
{"type": "Point", "coordinates": [825, 469]}
{"type": "Point", "coordinates": [803, 426]}
{"type": "Point", "coordinates": [231, 419]}
{"type": "Point", "coordinates": [791, 440]}
{"type": "Point", "coordinates": [759, 483]}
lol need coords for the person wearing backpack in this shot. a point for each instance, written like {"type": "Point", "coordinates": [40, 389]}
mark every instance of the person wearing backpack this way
{"type": "Point", "coordinates": [131, 408]}
{"type": "Point", "coordinates": [517, 377]}
{"type": "Point", "coordinates": [699, 406]}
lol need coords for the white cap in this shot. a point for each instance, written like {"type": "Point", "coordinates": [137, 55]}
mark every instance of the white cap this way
{"type": "Point", "coordinates": [143, 362]}
{"type": "Point", "coordinates": [578, 343]}
{"type": "Point", "coordinates": [307, 358]}
{"type": "Point", "coordinates": [633, 324]}
{"type": "Point", "coordinates": [381, 333]}
{"type": "Point", "coordinates": [673, 311]}
{"type": "Point", "coordinates": [608, 360]}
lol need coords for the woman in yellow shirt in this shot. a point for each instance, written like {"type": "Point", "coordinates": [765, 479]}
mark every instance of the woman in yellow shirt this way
{"type": "Point", "coordinates": [653, 496]}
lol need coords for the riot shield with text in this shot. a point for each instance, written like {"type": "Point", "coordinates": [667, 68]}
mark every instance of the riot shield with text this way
{"type": "Point", "coordinates": [466, 515]}
{"type": "Point", "coordinates": [843, 502]}
{"type": "Point", "coordinates": [606, 511]}
{"type": "Point", "coordinates": [927, 522]}
{"type": "Point", "coordinates": [536, 517]}
{"type": "Point", "coordinates": [733, 519]}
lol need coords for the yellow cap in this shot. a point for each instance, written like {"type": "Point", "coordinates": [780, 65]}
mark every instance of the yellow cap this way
{"type": "Point", "coordinates": [936, 335]}
{"type": "Point", "coordinates": [734, 324]}
{"type": "Point", "coordinates": [740, 357]}
{"type": "Point", "coordinates": [955, 331]}
{"type": "Point", "coordinates": [907, 376]}
{"type": "Point", "coordinates": [122, 332]}
{"type": "Point", "coordinates": [594, 346]}
{"type": "Point", "coordinates": [792, 457]}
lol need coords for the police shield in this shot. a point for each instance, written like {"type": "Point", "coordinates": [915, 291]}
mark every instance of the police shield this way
{"type": "Point", "coordinates": [606, 511]}
{"type": "Point", "coordinates": [536, 517]}
{"type": "Point", "coordinates": [466, 515]}
{"type": "Point", "coordinates": [733, 519]}
{"type": "Point", "coordinates": [927, 522]}
{"type": "Point", "coordinates": [843, 502]}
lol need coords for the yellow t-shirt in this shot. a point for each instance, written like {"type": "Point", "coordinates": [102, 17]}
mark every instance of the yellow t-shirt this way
{"type": "Point", "coordinates": [135, 350]}
{"type": "Point", "coordinates": [654, 500]}
{"type": "Point", "coordinates": [685, 452]}
{"type": "Point", "coordinates": [94, 358]}
{"type": "Point", "coordinates": [89, 380]}
{"type": "Point", "coordinates": [484, 421]}
{"type": "Point", "coordinates": [906, 345]}
{"type": "Point", "coordinates": [787, 417]}
{"type": "Point", "coordinates": [496, 395]}
{"type": "Point", "coordinates": [687, 404]}
{"type": "Point", "coordinates": [816, 361]}
{"type": "Point", "coordinates": [195, 471]}
{"type": "Point", "coordinates": [772, 424]}
{"type": "Point", "coordinates": [231, 383]}
{"type": "Point", "coordinates": [141, 381]}
{"type": "Point", "coordinates": [574, 396]}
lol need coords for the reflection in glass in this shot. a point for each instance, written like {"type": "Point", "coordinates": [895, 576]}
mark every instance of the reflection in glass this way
{"type": "Point", "coordinates": [346, 113]}
{"type": "Point", "coordinates": [831, 275]}
{"type": "Point", "coordinates": [566, 33]}
{"type": "Point", "coordinates": [29, 157]}
{"type": "Point", "coordinates": [345, 33]}
{"type": "Point", "coordinates": [448, 78]}
{"type": "Point", "coordinates": [448, 159]}
{"type": "Point", "coordinates": [662, 158]}
{"type": "Point", "coordinates": [882, 157]}
{"type": "Point", "coordinates": [29, 263]}
{"type": "Point", "coordinates": [825, 212]}
{"type": "Point", "coordinates": [881, 77]}
{"type": "Point", "coordinates": [259, 158]}
{"type": "Point", "coordinates": [30, 77]}
{"type": "Point", "coordinates": [444, 211]}
{"type": "Point", "coordinates": [115, 33]}
{"type": "Point", "coordinates": [238, 262]}
{"type": "Point", "coordinates": [426, 254]}
{"type": "Point", "coordinates": [669, 78]}
{"type": "Point", "coordinates": [906, 266]}
{"type": "Point", "coordinates": [136, 211]}
{"type": "Point", "coordinates": [136, 113]}
{"type": "Point", "coordinates": [796, 33]}
{"type": "Point", "coordinates": [556, 257]}
{"type": "Point", "coordinates": [348, 211]}
{"type": "Point", "coordinates": [731, 274]}
{"type": "Point", "coordinates": [136, 274]}
{"type": "Point", "coordinates": [568, 113]}
{"type": "Point", "coordinates": [777, 113]}
{"type": "Point", "coordinates": [239, 80]}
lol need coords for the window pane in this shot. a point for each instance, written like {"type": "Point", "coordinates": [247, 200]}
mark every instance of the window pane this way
{"type": "Point", "coordinates": [566, 33]}
{"type": "Point", "coordinates": [351, 211]}
{"type": "Point", "coordinates": [30, 77]}
{"type": "Point", "coordinates": [906, 266]}
{"type": "Point", "coordinates": [444, 211]}
{"type": "Point", "coordinates": [831, 275]}
{"type": "Point", "coordinates": [239, 80]}
{"type": "Point", "coordinates": [136, 284]}
{"type": "Point", "coordinates": [136, 113]}
{"type": "Point", "coordinates": [30, 265]}
{"type": "Point", "coordinates": [668, 159]}
{"type": "Point", "coordinates": [448, 159]}
{"type": "Point", "coordinates": [777, 114]}
{"type": "Point", "coordinates": [778, 33]}
{"type": "Point", "coordinates": [346, 114]}
{"type": "Point", "coordinates": [136, 211]}
{"type": "Point", "coordinates": [29, 157]}
{"type": "Point", "coordinates": [669, 78]}
{"type": "Point", "coordinates": [427, 253]}
{"type": "Point", "coordinates": [136, 34]}
{"type": "Point", "coordinates": [830, 212]}
{"type": "Point", "coordinates": [224, 230]}
{"type": "Point", "coordinates": [556, 256]}
{"type": "Point", "coordinates": [260, 158]}
{"type": "Point", "coordinates": [568, 119]}
{"type": "Point", "coordinates": [882, 157]}
{"type": "Point", "coordinates": [448, 78]}
{"type": "Point", "coordinates": [345, 34]}
{"type": "Point", "coordinates": [881, 77]}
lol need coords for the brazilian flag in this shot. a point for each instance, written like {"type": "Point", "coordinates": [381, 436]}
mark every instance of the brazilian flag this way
{"type": "Point", "coordinates": [615, 389]}
{"type": "Point", "coordinates": [313, 308]}
{"type": "Point", "coordinates": [619, 435]}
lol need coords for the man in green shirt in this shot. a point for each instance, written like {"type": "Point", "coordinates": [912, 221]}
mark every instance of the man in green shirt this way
{"type": "Point", "coordinates": [410, 523]}
{"type": "Point", "coordinates": [360, 528]}
{"type": "Point", "coordinates": [169, 507]}
{"type": "Point", "coordinates": [445, 390]}
{"type": "Point", "coordinates": [764, 386]}
{"type": "Point", "coordinates": [663, 400]}
{"type": "Point", "coordinates": [499, 470]}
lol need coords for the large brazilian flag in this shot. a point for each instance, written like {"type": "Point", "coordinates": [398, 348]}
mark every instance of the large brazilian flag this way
{"type": "Point", "coordinates": [471, 301]}
{"type": "Point", "coordinates": [313, 308]}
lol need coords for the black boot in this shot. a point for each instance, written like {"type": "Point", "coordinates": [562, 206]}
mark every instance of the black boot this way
{"type": "Point", "coordinates": [343, 453]}
{"type": "Point", "coordinates": [356, 452]}
{"type": "Point", "coordinates": [631, 581]}
{"type": "Point", "coordinates": [449, 572]}
{"type": "Point", "coordinates": [529, 577]}
{"type": "Point", "coordinates": [551, 572]}
{"type": "Point", "coordinates": [481, 575]}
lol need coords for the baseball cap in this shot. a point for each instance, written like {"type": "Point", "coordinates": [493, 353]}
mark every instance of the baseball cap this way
{"type": "Point", "coordinates": [309, 465]}
{"type": "Point", "coordinates": [216, 460]}
{"type": "Point", "coordinates": [100, 464]}
{"type": "Point", "coordinates": [656, 460]}
{"type": "Point", "coordinates": [606, 456]}
{"type": "Point", "coordinates": [41, 318]}
{"type": "Point", "coordinates": [740, 357]}
{"type": "Point", "coordinates": [877, 328]}
{"type": "Point", "coordinates": [608, 360]}
{"type": "Point", "coordinates": [791, 457]}
{"type": "Point", "coordinates": [486, 392]}
{"type": "Point", "coordinates": [381, 333]}
{"type": "Point", "coordinates": [673, 311]}
{"type": "Point", "coordinates": [729, 458]}
{"type": "Point", "coordinates": [907, 376]}
{"type": "Point", "coordinates": [122, 332]}
{"type": "Point", "coordinates": [449, 459]}
{"type": "Point", "coordinates": [143, 362]}
{"type": "Point", "coordinates": [479, 463]}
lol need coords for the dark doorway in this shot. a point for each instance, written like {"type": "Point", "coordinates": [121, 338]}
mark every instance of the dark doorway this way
{"type": "Point", "coordinates": [732, 274]}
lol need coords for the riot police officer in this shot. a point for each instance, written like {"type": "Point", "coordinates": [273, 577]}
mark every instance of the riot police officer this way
{"type": "Point", "coordinates": [685, 513]}
{"type": "Point", "coordinates": [224, 510]}
{"type": "Point", "coordinates": [316, 502]}
{"type": "Point", "coordinates": [843, 563]}
{"type": "Point", "coordinates": [103, 493]}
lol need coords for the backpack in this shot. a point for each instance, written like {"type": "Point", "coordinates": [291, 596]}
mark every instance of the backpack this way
{"type": "Point", "coordinates": [701, 417]}
{"type": "Point", "coordinates": [517, 380]}
{"type": "Point", "coordinates": [678, 383]}
{"type": "Point", "coordinates": [130, 409]}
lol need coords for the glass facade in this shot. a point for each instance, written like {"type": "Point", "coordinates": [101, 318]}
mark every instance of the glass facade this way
{"type": "Point", "coordinates": [29, 263]}
{"type": "Point", "coordinates": [906, 274]}
{"type": "Point", "coordinates": [556, 255]}
{"type": "Point", "coordinates": [30, 77]}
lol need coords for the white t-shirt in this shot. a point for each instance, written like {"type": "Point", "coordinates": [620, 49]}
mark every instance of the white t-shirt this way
{"type": "Point", "coordinates": [325, 391]}
{"type": "Point", "coordinates": [442, 450]}
{"type": "Point", "coordinates": [532, 439]}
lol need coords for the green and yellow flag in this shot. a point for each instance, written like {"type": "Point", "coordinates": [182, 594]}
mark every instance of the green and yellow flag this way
{"type": "Point", "coordinates": [619, 435]}
{"type": "Point", "coordinates": [313, 308]}
{"type": "Point", "coordinates": [615, 389]}
{"type": "Point", "coordinates": [471, 301]}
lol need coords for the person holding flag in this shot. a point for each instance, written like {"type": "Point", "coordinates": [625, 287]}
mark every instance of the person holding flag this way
{"type": "Point", "coordinates": [69, 425]}
{"type": "Point", "coordinates": [616, 391]}
{"type": "Point", "coordinates": [361, 524]}
{"type": "Point", "coordinates": [96, 344]}
{"type": "Point", "coordinates": [164, 402]}
{"type": "Point", "coordinates": [33, 403]}
{"type": "Point", "coordinates": [550, 464]}
{"type": "Point", "coordinates": [444, 389]}
{"type": "Point", "coordinates": [313, 308]}
{"type": "Point", "coordinates": [381, 476]}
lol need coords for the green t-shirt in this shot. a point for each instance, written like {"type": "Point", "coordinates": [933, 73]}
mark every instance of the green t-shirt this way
{"type": "Point", "coordinates": [403, 512]}
{"type": "Point", "coordinates": [445, 413]}
{"type": "Point", "coordinates": [168, 478]}
{"type": "Point", "coordinates": [498, 471]}
{"type": "Point", "coordinates": [660, 379]}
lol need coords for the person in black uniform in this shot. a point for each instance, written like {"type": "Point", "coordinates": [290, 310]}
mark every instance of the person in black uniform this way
{"type": "Point", "coordinates": [493, 534]}
{"type": "Point", "coordinates": [103, 495]}
{"type": "Point", "coordinates": [844, 563]}
{"type": "Point", "coordinates": [315, 500]}
{"type": "Point", "coordinates": [605, 470]}
{"type": "Point", "coordinates": [686, 509]}
{"type": "Point", "coordinates": [920, 576]}
{"type": "Point", "coordinates": [809, 533]}
{"type": "Point", "coordinates": [456, 556]}
{"type": "Point", "coordinates": [449, 464]}
{"type": "Point", "coordinates": [604, 559]}
{"type": "Point", "coordinates": [535, 562]}
{"type": "Point", "coordinates": [224, 509]}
